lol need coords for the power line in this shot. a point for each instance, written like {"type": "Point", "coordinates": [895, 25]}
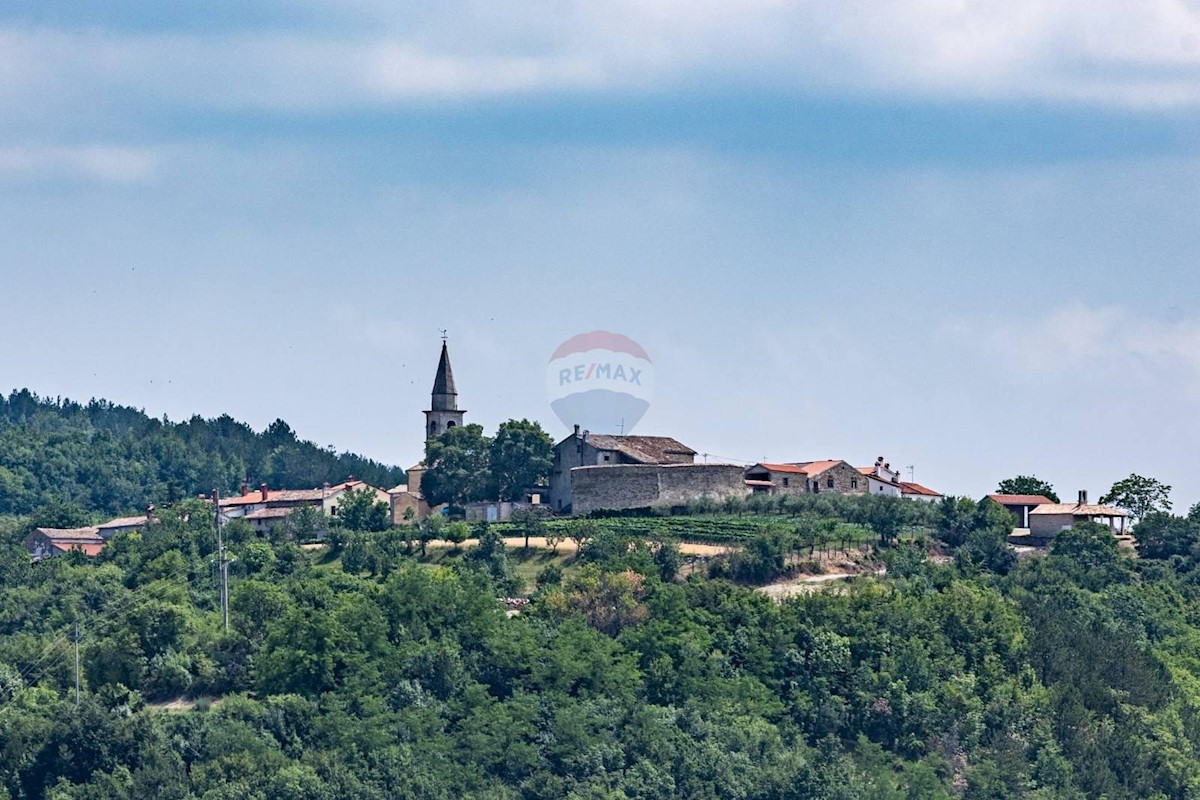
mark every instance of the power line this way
{"type": "Point", "coordinates": [106, 617]}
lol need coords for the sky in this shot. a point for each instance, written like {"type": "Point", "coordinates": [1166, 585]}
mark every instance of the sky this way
{"type": "Point", "coordinates": [963, 236]}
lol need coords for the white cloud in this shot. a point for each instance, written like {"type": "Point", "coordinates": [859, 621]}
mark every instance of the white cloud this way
{"type": "Point", "coordinates": [1103, 344]}
{"type": "Point", "coordinates": [95, 162]}
{"type": "Point", "coordinates": [1105, 51]}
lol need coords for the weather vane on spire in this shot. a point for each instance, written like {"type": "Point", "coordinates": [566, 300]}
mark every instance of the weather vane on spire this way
{"type": "Point", "coordinates": [443, 330]}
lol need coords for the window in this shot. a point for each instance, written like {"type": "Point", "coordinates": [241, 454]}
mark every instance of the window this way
{"type": "Point", "coordinates": [829, 482]}
{"type": "Point", "coordinates": [785, 481]}
{"type": "Point", "coordinates": [854, 483]}
{"type": "Point", "coordinates": [606, 458]}
{"type": "Point", "coordinates": [432, 428]}
{"type": "Point", "coordinates": [449, 424]}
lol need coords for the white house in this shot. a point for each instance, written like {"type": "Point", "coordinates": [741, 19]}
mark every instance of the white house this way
{"type": "Point", "coordinates": [882, 479]}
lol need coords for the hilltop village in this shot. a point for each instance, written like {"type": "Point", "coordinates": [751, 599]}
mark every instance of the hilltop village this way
{"type": "Point", "coordinates": [594, 473]}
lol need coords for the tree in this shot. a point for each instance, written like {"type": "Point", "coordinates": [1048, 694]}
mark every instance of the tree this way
{"type": "Point", "coordinates": [358, 510]}
{"type": "Point", "coordinates": [306, 524]}
{"type": "Point", "coordinates": [1162, 535]}
{"type": "Point", "coordinates": [456, 533]}
{"type": "Point", "coordinates": [1027, 484]}
{"type": "Point", "coordinates": [532, 522]}
{"type": "Point", "coordinates": [955, 519]}
{"type": "Point", "coordinates": [668, 559]}
{"type": "Point", "coordinates": [1088, 544]}
{"type": "Point", "coordinates": [886, 516]}
{"type": "Point", "coordinates": [458, 466]}
{"type": "Point", "coordinates": [580, 531]}
{"type": "Point", "coordinates": [430, 529]}
{"type": "Point", "coordinates": [522, 455]}
{"type": "Point", "coordinates": [1139, 496]}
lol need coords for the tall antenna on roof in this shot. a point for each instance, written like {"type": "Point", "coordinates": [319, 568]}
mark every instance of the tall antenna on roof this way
{"type": "Point", "coordinates": [912, 473]}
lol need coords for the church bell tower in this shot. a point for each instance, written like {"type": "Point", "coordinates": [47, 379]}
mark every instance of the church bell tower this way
{"type": "Point", "coordinates": [443, 412]}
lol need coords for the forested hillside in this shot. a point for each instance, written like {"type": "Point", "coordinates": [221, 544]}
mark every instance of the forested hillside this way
{"type": "Point", "coordinates": [1068, 676]}
{"type": "Point", "coordinates": [111, 459]}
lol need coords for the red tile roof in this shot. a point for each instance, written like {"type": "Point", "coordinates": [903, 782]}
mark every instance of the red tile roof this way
{"type": "Point", "coordinates": [289, 495]}
{"type": "Point", "coordinates": [809, 468]}
{"type": "Point", "coordinates": [1020, 499]}
{"type": "Point", "coordinates": [870, 473]}
{"type": "Point", "coordinates": [90, 549]}
{"type": "Point", "coordinates": [794, 469]}
{"type": "Point", "coordinates": [759, 483]}
{"type": "Point", "coordinates": [907, 487]}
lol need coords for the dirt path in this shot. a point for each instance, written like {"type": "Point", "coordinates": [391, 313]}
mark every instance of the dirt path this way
{"type": "Point", "coordinates": [809, 584]}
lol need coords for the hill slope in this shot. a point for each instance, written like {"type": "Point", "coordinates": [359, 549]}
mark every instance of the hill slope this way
{"type": "Point", "coordinates": [110, 458]}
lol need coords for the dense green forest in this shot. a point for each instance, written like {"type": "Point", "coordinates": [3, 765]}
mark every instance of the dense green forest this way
{"type": "Point", "coordinates": [111, 459]}
{"type": "Point", "coordinates": [628, 675]}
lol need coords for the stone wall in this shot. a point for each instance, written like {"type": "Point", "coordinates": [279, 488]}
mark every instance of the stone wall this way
{"type": "Point", "coordinates": [624, 486]}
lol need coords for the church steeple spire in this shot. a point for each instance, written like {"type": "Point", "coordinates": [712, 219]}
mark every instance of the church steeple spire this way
{"type": "Point", "coordinates": [445, 396]}
{"type": "Point", "coordinates": [443, 412]}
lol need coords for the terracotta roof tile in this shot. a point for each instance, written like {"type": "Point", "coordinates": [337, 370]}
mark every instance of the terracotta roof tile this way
{"type": "Point", "coordinates": [793, 469]}
{"type": "Point", "coordinates": [1020, 499]}
{"type": "Point", "coordinates": [907, 487]}
{"type": "Point", "coordinates": [289, 495]}
{"type": "Point", "coordinates": [809, 468]}
{"type": "Point", "coordinates": [1089, 510]}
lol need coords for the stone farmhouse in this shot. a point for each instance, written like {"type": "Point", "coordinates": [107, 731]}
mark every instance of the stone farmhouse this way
{"type": "Point", "coordinates": [806, 477]}
{"type": "Point", "coordinates": [584, 449]}
{"type": "Point", "coordinates": [1046, 521]}
{"type": "Point", "coordinates": [266, 507]}
{"type": "Point", "coordinates": [51, 542]}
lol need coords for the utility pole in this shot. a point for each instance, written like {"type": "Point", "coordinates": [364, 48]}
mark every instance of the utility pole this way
{"type": "Point", "coordinates": [77, 664]}
{"type": "Point", "coordinates": [222, 563]}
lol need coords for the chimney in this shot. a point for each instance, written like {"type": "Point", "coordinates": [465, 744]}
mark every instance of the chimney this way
{"type": "Point", "coordinates": [263, 489]}
{"type": "Point", "coordinates": [1083, 497]}
{"type": "Point", "coordinates": [245, 488]}
{"type": "Point", "coordinates": [576, 430]}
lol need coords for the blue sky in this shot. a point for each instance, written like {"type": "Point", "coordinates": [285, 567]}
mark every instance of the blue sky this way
{"type": "Point", "coordinates": [963, 237]}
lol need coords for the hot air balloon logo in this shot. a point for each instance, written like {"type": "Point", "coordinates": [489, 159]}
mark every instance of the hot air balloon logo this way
{"type": "Point", "coordinates": [601, 381]}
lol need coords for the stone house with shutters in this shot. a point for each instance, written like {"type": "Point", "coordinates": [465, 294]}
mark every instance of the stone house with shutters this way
{"type": "Point", "coordinates": [806, 477]}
